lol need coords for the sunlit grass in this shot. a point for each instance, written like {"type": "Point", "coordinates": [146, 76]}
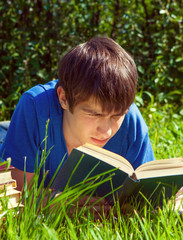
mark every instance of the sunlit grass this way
{"type": "Point", "coordinates": [165, 130]}
{"type": "Point", "coordinates": [38, 222]}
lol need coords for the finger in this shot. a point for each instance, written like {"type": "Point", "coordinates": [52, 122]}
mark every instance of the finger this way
{"type": "Point", "coordinates": [91, 200]}
{"type": "Point", "coordinates": [127, 208]}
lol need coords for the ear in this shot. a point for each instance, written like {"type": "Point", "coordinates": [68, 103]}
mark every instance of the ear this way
{"type": "Point", "coordinates": [127, 111]}
{"type": "Point", "coordinates": [62, 98]}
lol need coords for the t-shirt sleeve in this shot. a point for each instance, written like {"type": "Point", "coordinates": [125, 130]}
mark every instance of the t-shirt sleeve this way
{"type": "Point", "coordinates": [139, 148]}
{"type": "Point", "coordinates": [141, 151]}
{"type": "Point", "coordinates": [22, 139]}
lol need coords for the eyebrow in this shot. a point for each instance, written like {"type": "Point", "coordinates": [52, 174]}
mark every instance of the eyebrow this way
{"type": "Point", "coordinates": [91, 111]}
{"type": "Point", "coordinates": [99, 113]}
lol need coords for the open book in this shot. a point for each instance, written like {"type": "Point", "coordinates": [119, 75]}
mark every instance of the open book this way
{"type": "Point", "coordinates": [149, 178]}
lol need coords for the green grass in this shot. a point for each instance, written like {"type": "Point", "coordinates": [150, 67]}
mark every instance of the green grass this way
{"type": "Point", "coordinates": [165, 129]}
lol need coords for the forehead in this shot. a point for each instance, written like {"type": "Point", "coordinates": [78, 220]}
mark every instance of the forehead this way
{"type": "Point", "coordinates": [94, 105]}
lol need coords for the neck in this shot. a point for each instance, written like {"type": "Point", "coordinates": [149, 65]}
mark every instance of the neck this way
{"type": "Point", "coordinates": [70, 144]}
{"type": "Point", "coordinates": [69, 147]}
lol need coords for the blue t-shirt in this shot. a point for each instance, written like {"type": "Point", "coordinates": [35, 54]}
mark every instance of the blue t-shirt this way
{"type": "Point", "coordinates": [26, 133]}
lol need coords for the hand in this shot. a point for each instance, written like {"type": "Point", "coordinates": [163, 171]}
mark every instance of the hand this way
{"type": "Point", "coordinates": [100, 207]}
{"type": "Point", "coordinates": [179, 201]}
{"type": "Point", "coordinates": [96, 206]}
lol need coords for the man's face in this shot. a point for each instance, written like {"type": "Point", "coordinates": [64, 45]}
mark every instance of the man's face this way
{"type": "Point", "coordinates": [89, 124]}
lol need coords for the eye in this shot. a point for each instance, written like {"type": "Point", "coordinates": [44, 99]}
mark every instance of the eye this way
{"type": "Point", "coordinates": [95, 114]}
{"type": "Point", "coordinates": [116, 117]}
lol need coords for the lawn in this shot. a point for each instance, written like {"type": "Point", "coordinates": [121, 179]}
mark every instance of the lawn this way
{"type": "Point", "coordinates": [165, 130]}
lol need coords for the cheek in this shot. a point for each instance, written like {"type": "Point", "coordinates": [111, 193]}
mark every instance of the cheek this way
{"type": "Point", "coordinates": [88, 124]}
{"type": "Point", "coordinates": [117, 125]}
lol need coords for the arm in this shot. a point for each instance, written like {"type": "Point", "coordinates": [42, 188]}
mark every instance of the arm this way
{"type": "Point", "coordinates": [139, 148]}
{"type": "Point", "coordinates": [18, 175]}
{"type": "Point", "coordinates": [22, 139]}
{"type": "Point", "coordinates": [100, 208]}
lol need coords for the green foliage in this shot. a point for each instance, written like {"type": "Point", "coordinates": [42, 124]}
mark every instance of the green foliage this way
{"type": "Point", "coordinates": [33, 37]}
{"type": "Point", "coordinates": [36, 221]}
{"type": "Point", "coordinates": [165, 124]}
{"type": "Point", "coordinates": [165, 130]}
{"type": "Point", "coordinates": [35, 34]}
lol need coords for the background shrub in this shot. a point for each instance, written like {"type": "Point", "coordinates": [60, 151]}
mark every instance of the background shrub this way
{"type": "Point", "coordinates": [35, 34]}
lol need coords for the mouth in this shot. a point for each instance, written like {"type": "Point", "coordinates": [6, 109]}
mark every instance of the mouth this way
{"type": "Point", "coordinates": [99, 141]}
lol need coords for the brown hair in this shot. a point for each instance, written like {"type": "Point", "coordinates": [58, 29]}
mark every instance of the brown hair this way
{"type": "Point", "coordinates": [102, 69]}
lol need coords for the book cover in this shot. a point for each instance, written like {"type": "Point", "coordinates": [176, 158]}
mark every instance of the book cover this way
{"type": "Point", "coordinates": [154, 176]}
{"type": "Point", "coordinates": [86, 165]}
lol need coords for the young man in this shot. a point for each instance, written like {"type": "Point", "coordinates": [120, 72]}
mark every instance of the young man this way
{"type": "Point", "coordinates": [91, 102]}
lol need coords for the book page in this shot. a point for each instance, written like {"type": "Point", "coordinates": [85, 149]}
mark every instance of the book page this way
{"type": "Point", "coordinates": [5, 176]}
{"type": "Point", "coordinates": [109, 157]}
{"type": "Point", "coordinates": [161, 164]}
{"type": "Point", "coordinates": [158, 168]}
{"type": "Point", "coordinates": [159, 173]}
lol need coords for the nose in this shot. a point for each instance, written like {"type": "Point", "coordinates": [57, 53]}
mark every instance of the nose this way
{"type": "Point", "coordinates": [104, 128]}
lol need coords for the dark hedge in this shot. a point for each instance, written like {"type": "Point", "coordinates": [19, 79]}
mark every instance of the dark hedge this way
{"type": "Point", "coordinates": [34, 34]}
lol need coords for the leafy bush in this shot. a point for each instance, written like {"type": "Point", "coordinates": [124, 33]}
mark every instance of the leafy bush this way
{"type": "Point", "coordinates": [35, 34]}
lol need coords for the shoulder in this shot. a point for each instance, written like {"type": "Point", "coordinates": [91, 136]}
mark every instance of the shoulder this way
{"type": "Point", "coordinates": [43, 98]}
{"type": "Point", "coordinates": [132, 131]}
{"type": "Point", "coordinates": [41, 88]}
{"type": "Point", "coordinates": [134, 114]}
{"type": "Point", "coordinates": [135, 121]}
